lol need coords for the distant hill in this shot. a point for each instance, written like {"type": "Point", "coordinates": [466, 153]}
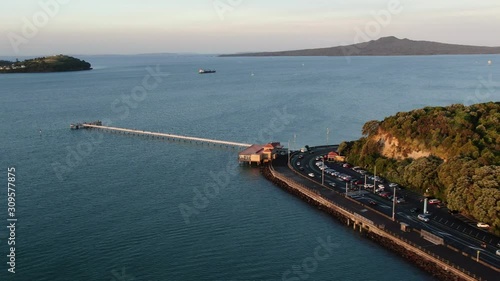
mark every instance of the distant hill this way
{"type": "Point", "coordinates": [386, 46]}
{"type": "Point", "coordinates": [57, 63]}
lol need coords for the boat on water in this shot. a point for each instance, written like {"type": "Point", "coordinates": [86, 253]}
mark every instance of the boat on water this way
{"type": "Point", "coordinates": [489, 62]}
{"type": "Point", "coordinates": [204, 71]}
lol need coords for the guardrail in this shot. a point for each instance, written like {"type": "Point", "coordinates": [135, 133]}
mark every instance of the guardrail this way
{"type": "Point", "coordinates": [445, 264]}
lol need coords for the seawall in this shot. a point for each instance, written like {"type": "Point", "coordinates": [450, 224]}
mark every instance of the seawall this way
{"type": "Point", "coordinates": [438, 268]}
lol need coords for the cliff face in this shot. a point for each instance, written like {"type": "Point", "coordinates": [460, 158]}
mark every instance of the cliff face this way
{"type": "Point", "coordinates": [390, 147]}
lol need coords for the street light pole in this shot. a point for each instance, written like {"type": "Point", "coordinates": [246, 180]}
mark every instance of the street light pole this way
{"type": "Point", "coordinates": [346, 189]}
{"type": "Point", "coordinates": [394, 205]}
{"type": "Point", "coordinates": [327, 133]}
{"type": "Point", "coordinates": [288, 152]}
{"type": "Point", "coordinates": [375, 179]}
{"type": "Point", "coordinates": [323, 172]}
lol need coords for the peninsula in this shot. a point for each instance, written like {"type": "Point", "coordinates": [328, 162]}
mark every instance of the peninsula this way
{"type": "Point", "coordinates": [59, 63]}
{"type": "Point", "coordinates": [385, 46]}
{"type": "Point", "coordinates": [450, 153]}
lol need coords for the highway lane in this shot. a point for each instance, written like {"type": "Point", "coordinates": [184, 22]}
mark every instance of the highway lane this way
{"type": "Point", "coordinates": [464, 236]}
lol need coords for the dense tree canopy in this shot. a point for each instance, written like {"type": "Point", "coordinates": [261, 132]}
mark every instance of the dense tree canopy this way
{"type": "Point", "coordinates": [460, 164]}
{"type": "Point", "coordinates": [45, 64]}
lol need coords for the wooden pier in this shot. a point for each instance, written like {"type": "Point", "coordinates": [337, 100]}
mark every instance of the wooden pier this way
{"type": "Point", "coordinates": [167, 136]}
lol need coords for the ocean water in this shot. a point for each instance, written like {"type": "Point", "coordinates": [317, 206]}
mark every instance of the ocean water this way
{"type": "Point", "coordinates": [102, 206]}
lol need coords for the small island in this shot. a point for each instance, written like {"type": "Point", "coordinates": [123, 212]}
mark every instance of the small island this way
{"type": "Point", "coordinates": [59, 63]}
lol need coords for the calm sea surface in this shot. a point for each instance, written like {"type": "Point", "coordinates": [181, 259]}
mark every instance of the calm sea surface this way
{"type": "Point", "coordinates": [101, 206]}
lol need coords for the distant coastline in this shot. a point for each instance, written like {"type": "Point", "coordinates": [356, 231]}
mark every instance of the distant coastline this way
{"type": "Point", "coordinates": [385, 46]}
{"type": "Point", "coordinates": [59, 63]}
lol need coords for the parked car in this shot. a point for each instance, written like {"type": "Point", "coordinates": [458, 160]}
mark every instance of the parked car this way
{"type": "Point", "coordinates": [483, 225]}
{"type": "Point", "coordinates": [498, 252]}
{"type": "Point", "coordinates": [332, 184]}
{"type": "Point", "coordinates": [298, 163]}
{"type": "Point", "coordinates": [301, 168]}
{"type": "Point", "coordinates": [434, 201]}
{"type": "Point", "coordinates": [373, 203]}
{"type": "Point", "coordinates": [423, 218]}
{"type": "Point", "coordinates": [311, 175]}
{"type": "Point", "coordinates": [385, 194]}
{"type": "Point", "coordinates": [399, 200]}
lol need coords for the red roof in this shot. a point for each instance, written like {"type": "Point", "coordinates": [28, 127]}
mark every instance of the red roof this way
{"type": "Point", "coordinates": [259, 148]}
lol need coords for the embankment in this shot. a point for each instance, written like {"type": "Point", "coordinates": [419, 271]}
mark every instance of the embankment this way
{"type": "Point", "coordinates": [438, 268]}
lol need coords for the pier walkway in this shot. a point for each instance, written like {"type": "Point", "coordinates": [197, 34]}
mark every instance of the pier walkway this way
{"type": "Point", "coordinates": [167, 136]}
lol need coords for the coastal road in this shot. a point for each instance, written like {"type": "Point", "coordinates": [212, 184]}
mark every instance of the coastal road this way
{"type": "Point", "coordinates": [460, 234]}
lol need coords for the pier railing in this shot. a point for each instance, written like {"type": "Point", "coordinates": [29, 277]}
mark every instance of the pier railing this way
{"type": "Point", "coordinates": [167, 136]}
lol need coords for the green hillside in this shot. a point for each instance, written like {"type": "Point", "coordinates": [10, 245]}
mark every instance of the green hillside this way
{"type": "Point", "coordinates": [452, 152]}
{"type": "Point", "coordinates": [57, 63]}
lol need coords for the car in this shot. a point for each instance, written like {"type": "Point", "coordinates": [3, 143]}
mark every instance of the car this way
{"type": "Point", "coordinates": [423, 217]}
{"type": "Point", "coordinates": [301, 156]}
{"type": "Point", "coordinates": [301, 168]}
{"type": "Point", "coordinates": [385, 194]}
{"type": "Point", "coordinates": [498, 252]}
{"type": "Point", "coordinates": [346, 165]}
{"type": "Point", "coordinates": [332, 184]}
{"type": "Point", "coordinates": [298, 163]}
{"type": "Point", "coordinates": [483, 245]}
{"type": "Point", "coordinates": [392, 185]}
{"type": "Point", "coordinates": [311, 175]}
{"type": "Point", "coordinates": [483, 225]}
{"type": "Point", "coordinates": [358, 182]}
{"type": "Point", "coordinates": [414, 210]}
{"type": "Point", "coordinates": [434, 201]}
{"type": "Point", "coordinates": [399, 200]}
{"type": "Point", "coordinates": [373, 203]}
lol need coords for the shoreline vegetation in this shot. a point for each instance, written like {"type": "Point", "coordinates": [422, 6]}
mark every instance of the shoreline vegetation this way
{"type": "Point", "coordinates": [451, 153]}
{"type": "Point", "coordinates": [58, 63]}
{"type": "Point", "coordinates": [385, 46]}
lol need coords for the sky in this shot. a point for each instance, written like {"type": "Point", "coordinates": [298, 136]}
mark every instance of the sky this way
{"type": "Point", "coordinates": [45, 27]}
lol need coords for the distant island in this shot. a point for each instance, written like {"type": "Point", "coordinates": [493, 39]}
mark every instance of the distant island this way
{"type": "Point", "coordinates": [451, 153]}
{"type": "Point", "coordinates": [386, 46]}
{"type": "Point", "coordinates": [57, 63]}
